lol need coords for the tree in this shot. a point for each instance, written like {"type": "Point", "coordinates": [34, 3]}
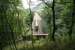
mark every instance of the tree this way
{"type": "Point", "coordinates": [53, 17]}
{"type": "Point", "coordinates": [54, 27]}
{"type": "Point", "coordinates": [72, 21]}
{"type": "Point", "coordinates": [6, 27]}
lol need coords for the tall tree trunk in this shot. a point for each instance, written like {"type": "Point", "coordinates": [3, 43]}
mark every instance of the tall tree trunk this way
{"type": "Point", "coordinates": [31, 24]}
{"type": "Point", "coordinates": [72, 22]}
{"type": "Point", "coordinates": [54, 28]}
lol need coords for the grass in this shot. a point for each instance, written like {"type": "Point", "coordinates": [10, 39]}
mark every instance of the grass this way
{"type": "Point", "coordinates": [44, 44]}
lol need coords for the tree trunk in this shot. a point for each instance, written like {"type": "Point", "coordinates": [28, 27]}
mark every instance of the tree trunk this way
{"type": "Point", "coordinates": [73, 18]}
{"type": "Point", "coordinates": [53, 38]}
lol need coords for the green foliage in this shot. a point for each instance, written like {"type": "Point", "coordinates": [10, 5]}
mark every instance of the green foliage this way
{"type": "Point", "coordinates": [15, 22]}
{"type": "Point", "coordinates": [7, 22]}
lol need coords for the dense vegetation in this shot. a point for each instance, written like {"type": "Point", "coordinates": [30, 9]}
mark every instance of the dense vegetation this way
{"type": "Point", "coordinates": [16, 26]}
